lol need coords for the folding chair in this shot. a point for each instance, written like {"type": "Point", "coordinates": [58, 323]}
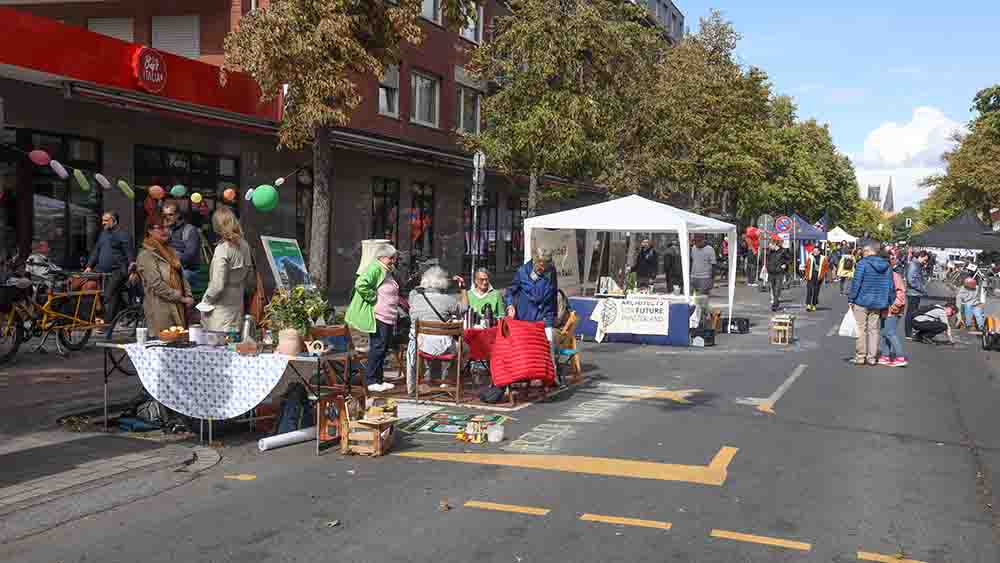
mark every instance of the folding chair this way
{"type": "Point", "coordinates": [456, 331]}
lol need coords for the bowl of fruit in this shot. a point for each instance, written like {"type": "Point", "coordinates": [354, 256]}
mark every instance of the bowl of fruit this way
{"type": "Point", "coordinates": [173, 334]}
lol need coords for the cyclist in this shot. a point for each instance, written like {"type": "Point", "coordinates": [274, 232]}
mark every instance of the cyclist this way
{"type": "Point", "coordinates": [113, 255]}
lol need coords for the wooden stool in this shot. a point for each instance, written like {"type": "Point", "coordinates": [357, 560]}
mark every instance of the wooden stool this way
{"type": "Point", "coordinates": [782, 330]}
{"type": "Point", "coordinates": [369, 437]}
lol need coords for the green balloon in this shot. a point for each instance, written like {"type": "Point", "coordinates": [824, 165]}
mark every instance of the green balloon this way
{"type": "Point", "coordinates": [126, 189]}
{"type": "Point", "coordinates": [82, 180]}
{"type": "Point", "coordinates": [178, 191]}
{"type": "Point", "coordinates": [265, 198]}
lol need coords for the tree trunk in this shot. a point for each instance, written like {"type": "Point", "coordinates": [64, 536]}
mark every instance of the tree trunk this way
{"type": "Point", "coordinates": [532, 194]}
{"type": "Point", "coordinates": [319, 241]}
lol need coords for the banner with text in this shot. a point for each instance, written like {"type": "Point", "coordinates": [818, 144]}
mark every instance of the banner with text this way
{"type": "Point", "coordinates": [562, 244]}
{"type": "Point", "coordinates": [636, 314]}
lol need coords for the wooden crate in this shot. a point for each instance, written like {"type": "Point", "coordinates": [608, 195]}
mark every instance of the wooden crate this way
{"type": "Point", "coordinates": [782, 330]}
{"type": "Point", "coordinates": [369, 438]}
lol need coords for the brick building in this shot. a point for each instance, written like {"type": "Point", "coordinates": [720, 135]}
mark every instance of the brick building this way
{"type": "Point", "coordinates": [398, 171]}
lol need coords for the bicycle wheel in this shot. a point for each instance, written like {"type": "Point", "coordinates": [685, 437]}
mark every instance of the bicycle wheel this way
{"type": "Point", "coordinates": [126, 322]}
{"type": "Point", "coordinates": [11, 337]}
{"type": "Point", "coordinates": [74, 339]}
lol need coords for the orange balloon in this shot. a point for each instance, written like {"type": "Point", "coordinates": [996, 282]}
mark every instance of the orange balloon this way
{"type": "Point", "coordinates": [229, 195]}
{"type": "Point", "coordinates": [157, 192]}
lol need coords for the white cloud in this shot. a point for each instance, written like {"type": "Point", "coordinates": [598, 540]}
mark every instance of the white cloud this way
{"type": "Point", "coordinates": [906, 152]}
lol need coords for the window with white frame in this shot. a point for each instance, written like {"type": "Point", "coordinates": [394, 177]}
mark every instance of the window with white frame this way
{"type": "Point", "coordinates": [473, 31]}
{"type": "Point", "coordinates": [424, 99]}
{"type": "Point", "coordinates": [388, 92]}
{"type": "Point", "coordinates": [467, 110]}
{"type": "Point", "coordinates": [180, 35]}
{"type": "Point", "coordinates": [431, 9]}
{"type": "Point", "coordinates": [119, 28]}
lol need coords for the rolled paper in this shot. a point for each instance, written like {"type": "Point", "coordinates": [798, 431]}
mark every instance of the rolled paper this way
{"type": "Point", "coordinates": [82, 180]}
{"type": "Point", "coordinates": [58, 169]}
{"type": "Point", "coordinates": [179, 190]}
{"type": "Point", "coordinates": [39, 157]}
{"type": "Point", "coordinates": [126, 189]}
{"type": "Point", "coordinates": [286, 439]}
{"type": "Point", "coordinates": [103, 181]}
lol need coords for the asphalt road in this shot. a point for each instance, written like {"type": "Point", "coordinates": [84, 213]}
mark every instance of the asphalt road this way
{"type": "Point", "coordinates": [880, 464]}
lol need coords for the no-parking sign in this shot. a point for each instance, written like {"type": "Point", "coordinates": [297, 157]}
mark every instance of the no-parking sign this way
{"type": "Point", "coordinates": [783, 224]}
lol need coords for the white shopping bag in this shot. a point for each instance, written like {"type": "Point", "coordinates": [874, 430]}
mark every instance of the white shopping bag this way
{"type": "Point", "coordinates": [849, 326]}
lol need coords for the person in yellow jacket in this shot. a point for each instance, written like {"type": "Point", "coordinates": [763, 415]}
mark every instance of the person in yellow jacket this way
{"type": "Point", "coordinates": [845, 270]}
{"type": "Point", "coordinates": [817, 268]}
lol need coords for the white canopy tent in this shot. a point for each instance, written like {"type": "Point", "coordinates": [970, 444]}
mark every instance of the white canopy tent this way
{"type": "Point", "coordinates": [637, 214]}
{"type": "Point", "coordinates": [840, 235]}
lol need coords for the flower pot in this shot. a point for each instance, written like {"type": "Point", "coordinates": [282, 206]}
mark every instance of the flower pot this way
{"type": "Point", "coordinates": [289, 342]}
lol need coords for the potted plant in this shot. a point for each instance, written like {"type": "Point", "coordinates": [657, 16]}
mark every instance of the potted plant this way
{"type": "Point", "coordinates": [291, 312]}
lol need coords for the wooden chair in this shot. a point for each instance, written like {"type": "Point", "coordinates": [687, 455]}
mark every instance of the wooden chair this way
{"type": "Point", "coordinates": [568, 354]}
{"type": "Point", "coordinates": [454, 330]}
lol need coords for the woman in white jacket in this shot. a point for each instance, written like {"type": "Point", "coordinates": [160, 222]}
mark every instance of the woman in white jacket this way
{"type": "Point", "coordinates": [231, 272]}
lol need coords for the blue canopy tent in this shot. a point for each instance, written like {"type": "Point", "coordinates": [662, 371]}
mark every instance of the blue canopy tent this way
{"type": "Point", "coordinates": [805, 231]}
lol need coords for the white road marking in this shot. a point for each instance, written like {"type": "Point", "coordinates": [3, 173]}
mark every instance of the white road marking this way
{"type": "Point", "coordinates": [767, 404]}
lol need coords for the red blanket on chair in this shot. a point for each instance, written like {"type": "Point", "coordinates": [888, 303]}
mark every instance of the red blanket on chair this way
{"type": "Point", "coordinates": [521, 353]}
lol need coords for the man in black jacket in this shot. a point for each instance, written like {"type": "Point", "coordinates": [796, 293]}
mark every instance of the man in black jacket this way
{"type": "Point", "coordinates": [184, 239]}
{"type": "Point", "coordinates": [777, 267]}
{"type": "Point", "coordinates": [647, 263]}
{"type": "Point", "coordinates": [113, 255]}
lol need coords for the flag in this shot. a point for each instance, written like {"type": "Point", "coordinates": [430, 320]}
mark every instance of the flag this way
{"type": "Point", "coordinates": [823, 223]}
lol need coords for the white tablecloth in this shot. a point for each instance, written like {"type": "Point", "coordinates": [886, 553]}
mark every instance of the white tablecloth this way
{"type": "Point", "coordinates": [206, 382]}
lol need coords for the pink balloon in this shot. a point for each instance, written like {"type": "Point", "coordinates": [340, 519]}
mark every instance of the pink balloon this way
{"type": "Point", "coordinates": [156, 192]}
{"type": "Point", "coordinates": [39, 157]}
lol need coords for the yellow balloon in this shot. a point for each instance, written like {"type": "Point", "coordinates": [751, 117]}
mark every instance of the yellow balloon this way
{"type": "Point", "coordinates": [196, 198]}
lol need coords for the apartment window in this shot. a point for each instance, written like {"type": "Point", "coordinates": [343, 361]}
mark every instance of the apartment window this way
{"type": "Point", "coordinates": [467, 110]}
{"type": "Point", "coordinates": [180, 35]}
{"type": "Point", "coordinates": [431, 10]}
{"type": "Point", "coordinates": [388, 92]}
{"type": "Point", "coordinates": [119, 28]}
{"type": "Point", "coordinates": [422, 219]}
{"type": "Point", "coordinates": [385, 209]}
{"type": "Point", "coordinates": [424, 92]}
{"type": "Point", "coordinates": [473, 31]}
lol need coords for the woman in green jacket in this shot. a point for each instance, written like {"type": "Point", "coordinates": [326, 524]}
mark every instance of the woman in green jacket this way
{"type": "Point", "coordinates": [374, 309]}
{"type": "Point", "coordinates": [483, 294]}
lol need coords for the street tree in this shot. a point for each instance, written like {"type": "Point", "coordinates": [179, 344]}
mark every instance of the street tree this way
{"type": "Point", "coordinates": [311, 54]}
{"type": "Point", "coordinates": [564, 76]}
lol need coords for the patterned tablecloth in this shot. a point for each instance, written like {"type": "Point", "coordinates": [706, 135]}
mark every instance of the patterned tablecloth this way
{"type": "Point", "coordinates": [206, 382]}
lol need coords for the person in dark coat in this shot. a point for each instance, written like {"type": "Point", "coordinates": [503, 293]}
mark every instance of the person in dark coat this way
{"type": "Point", "coordinates": [185, 239]}
{"type": "Point", "coordinates": [647, 263]}
{"type": "Point", "coordinates": [114, 256]}
{"type": "Point", "coordinates": [777, 266]}
{"type": "Point", "coordinates": [872, 292]}
{"type": "Point", "coordinates": [533, 294]}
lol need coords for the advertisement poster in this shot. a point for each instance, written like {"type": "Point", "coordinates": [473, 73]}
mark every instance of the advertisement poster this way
{"type": "Point", "coordinates": [286, 260]}
{"type": "Point", "coordinates": [562, 244]}
{"type": "Point", "coordinates": [636, 314]}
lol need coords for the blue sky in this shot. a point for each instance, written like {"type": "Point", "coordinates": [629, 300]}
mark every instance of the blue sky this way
{"type": "Point", "coordinates": [893, 78]}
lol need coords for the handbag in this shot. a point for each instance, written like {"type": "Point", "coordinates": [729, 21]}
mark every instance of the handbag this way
{"type": "Point", "coordinates": [521, 353]}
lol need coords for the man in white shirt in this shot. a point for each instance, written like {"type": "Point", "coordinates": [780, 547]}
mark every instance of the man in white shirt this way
{"type": "Point", "coordinates": [702, 263]}
{"type": "Point", "coordinates": [932, 321]}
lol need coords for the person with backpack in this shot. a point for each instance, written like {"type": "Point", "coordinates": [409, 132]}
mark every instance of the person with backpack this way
{"type": "Point", "coordinates": [817, 268]}
{"type": "Point", "coordinates": [872, 292]}
{"type": "Point", "coordinates": [845, 269]}
{"type": "Point", "coordinates": [890, 346]}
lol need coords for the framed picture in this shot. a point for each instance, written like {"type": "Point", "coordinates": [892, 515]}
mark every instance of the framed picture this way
{"type": "Point", "coordinates": [287, 262]}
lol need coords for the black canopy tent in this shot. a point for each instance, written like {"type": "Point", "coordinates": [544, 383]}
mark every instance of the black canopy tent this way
{"type": "Point", "coordinates": [964, 231]}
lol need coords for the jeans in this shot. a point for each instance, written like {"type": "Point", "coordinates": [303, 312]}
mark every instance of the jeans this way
{"type": "Point", "coordinates": [891, 346]}
{"type": "Point", "coordinates": [812, 291]}
{"type": "Point", "coordinates": [866, 347]}
{"type": "Point", "coordinates": [378, 342]}
{"type": "Point", "coordinates": [777, 282]}
{"type": "Point", "coordinates": [929, 329]}
{"type": "Point", "coordinates": [972, 311]}
{"type": "Point", "coordinates": [189, 275]}
{"type": "Point", "coordinates": [843, 280]}
{"type": "Point", "coordinates": [912, 303]}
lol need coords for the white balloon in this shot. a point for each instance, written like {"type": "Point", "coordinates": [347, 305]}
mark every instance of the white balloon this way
{"type": "Point", "coordinates": [249, 195]}
{"type": "Point", "coordinates": [279, 181]}
{"type": "Point", "coordinates": [102, 180]}
{"type": "Point", "coordinates": [58, 169]}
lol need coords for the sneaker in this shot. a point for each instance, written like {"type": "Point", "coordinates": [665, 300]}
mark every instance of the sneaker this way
{"type": "Point", "coordinates": [900, 362]}
{"type": "Point", "coordinates": [388, 386]}
{"type": "Point", "coordinates": [873, 362]}
{"type": "Point", "coordinates": [859, 362]}
{"type": "Point", "coordinates": [376, 387]}
{"type": "Point", "coordinates": [885, 361]}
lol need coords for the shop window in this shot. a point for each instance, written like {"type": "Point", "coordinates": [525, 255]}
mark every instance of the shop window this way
{"type": "Point", "coordinates": [422, 219]}
{"type": "Point", "coordinates": [467, 110]}
{"type": "Point", "coordinates": [424, 92]}
{"type": "Point", "coordinates": [385, 209]}
{"type": "Point", "coordinates": [517, 208]}
{"type": "Point", "coordinates": [485, 237]}
{"type": "Point", "coordinates": [62, 214]}
{"type": "Point", "coordinates": [208, 174]}
{"type": "Point", "coordinates": [388, 92]}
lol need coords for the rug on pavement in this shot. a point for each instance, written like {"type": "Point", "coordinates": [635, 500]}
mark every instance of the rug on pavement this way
{"type": "Point", "coordinates": [450, 422]}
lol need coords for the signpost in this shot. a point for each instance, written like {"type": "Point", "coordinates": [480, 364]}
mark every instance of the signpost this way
{"type": "Point", "coordinates": [476, 198]}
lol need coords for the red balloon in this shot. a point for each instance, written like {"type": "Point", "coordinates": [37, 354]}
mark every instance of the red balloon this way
{"type": "Point", "coordinates": [157, 192]}
{"type": "Point", "coordinates": [229, 195]}
{"type": "Point", "coordinates": [39, 157]}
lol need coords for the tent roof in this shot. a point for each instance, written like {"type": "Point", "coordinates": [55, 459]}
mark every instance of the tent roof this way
{"type": "Point", "coordinates": [963, 231]}
{"type": "Point", "coordinates": [631, 213]}
{"type": "Point", "coordinates": [806, 231]}
{"type": "Point", "coordinates": [840, 235]}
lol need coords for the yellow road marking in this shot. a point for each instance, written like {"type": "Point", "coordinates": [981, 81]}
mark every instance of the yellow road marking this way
{"type": "Point", "coordinates": [507, 508]}
{"type": "Point", "coordinates": [763, 540]}
{"type": "Point", "coordinates": [241, 477]}
{"type": "Point", "coordinates": [868, 556]}
{"type": "Point", "coordinates": [715, 473]}
{"type": "Point", "coordinates": [626, 521]}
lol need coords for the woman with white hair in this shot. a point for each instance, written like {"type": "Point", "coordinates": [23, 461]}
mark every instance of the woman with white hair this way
{"type": "Point", "coordinates": [431, 302]}
{"type": "Point", "coordinates": [374, 309]}
{"type": "Point", "coordinates": [533, 295]}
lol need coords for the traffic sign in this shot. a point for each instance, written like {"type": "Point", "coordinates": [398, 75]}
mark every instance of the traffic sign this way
{"type": "Point", "coordinates": [783, 224]}
{"type": "Point", "coordinates": [765, 223]}
{"type": "Point", "coordinates": [478, 166]}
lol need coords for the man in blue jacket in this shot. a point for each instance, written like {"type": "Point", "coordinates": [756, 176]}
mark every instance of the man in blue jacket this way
{"type": "Point", "coordinates": [872, 291]}
{"type": "Point", "coordinates": [114, 256]}
{"type": "Point", "coordinates": [184, 239]}
{"type": "Point", "coordinates": [532, 295]}
{"type": "Point", "coordinates": [916, 287]}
